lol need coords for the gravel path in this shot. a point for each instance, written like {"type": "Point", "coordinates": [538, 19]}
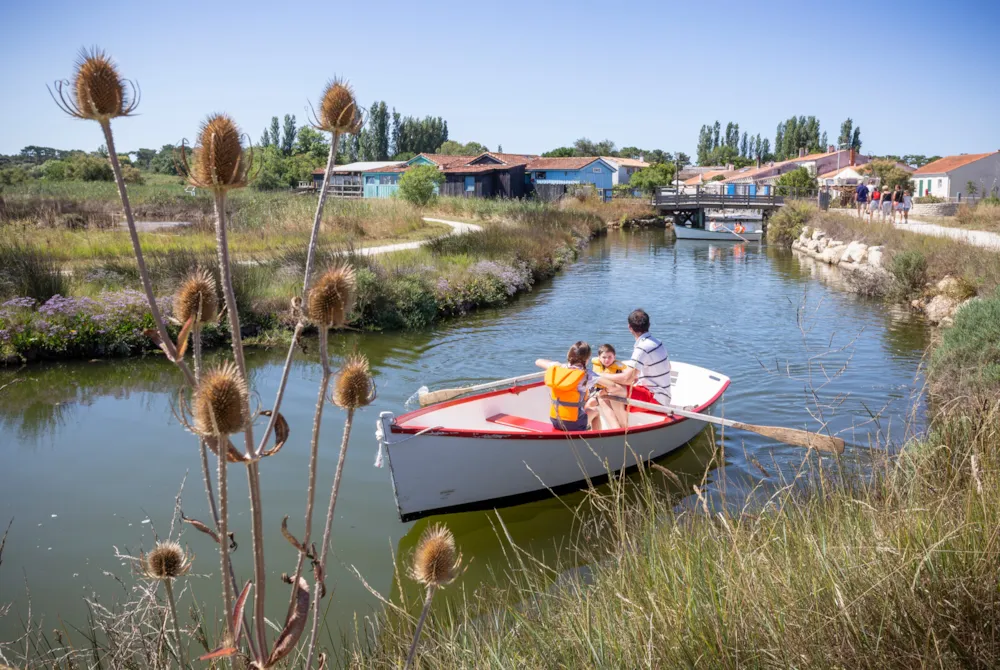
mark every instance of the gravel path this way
{"type": "Point", "coordinates": [979, 238]}
{"type": "Point", "coordinates": [457, 228]}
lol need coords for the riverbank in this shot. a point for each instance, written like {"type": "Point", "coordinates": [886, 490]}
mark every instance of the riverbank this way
{"type": "Point", "coordinates": [71, 293]}
{"type": "Point", "coordinates": [892, 568]}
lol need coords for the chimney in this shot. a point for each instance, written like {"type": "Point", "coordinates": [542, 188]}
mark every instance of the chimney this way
{"type": "Point", "coordinates": [852, 158]}
{"type": "Point", "coordinates": [802, 152]}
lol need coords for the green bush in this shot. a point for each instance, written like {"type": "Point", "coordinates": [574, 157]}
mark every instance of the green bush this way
{"type": "Point", "coordinates": [390, 301]}
{"type": "Point", "coordinates": [928, 199]}
{"type": "Point", "coordinates": [786, 225]}
{"type": "Point", "coordinates": [796, 183]}
{"type": "Point", "coordinates": [909, 271]}
{"type": "Point", "coordinates": [417, 184]}
{"type": "Point", "coordinates": [29, 272]}
{"type": "Point", "coordinates": [968, 358]}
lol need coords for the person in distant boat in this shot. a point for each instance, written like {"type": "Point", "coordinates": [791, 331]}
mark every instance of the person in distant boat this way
{"type": "Point", "coordinates": [569, 385]}
{"type": "Point", "coordinates": [648, 371]}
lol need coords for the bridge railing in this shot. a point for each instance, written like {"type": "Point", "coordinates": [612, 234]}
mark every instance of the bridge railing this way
{"type": "Point", "coordinates": [670, 197]}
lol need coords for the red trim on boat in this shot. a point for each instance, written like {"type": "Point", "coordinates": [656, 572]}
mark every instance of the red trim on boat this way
{"type": "Point", "coordinates": [557, 435]}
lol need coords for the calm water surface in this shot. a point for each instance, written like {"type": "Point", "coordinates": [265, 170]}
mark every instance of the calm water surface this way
{"type": "Point", "coordinates": [91, 456]}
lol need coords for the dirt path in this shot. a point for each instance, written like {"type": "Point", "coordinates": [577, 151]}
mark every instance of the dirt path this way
{"type": "Point", "coordinates": [978, 238]}
{"type": "Point", "coordinates": [457, 228]}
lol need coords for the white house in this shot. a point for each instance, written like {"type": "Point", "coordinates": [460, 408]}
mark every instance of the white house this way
{"type": "Point", "coordinates": [625, 168]}
{"type": "Point", "coordinates": [948, 177]}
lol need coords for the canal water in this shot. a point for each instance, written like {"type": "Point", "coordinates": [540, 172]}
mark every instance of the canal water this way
{"type": "Point", "coordinates": [92, 458]}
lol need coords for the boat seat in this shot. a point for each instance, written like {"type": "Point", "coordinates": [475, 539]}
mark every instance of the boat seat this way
{"type": "Point", "coordinates": [523, 423]}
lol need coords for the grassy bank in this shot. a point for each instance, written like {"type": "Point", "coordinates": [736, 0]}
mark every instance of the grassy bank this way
{"type": "Point", "coordinates": [87, 269]}
{"type": "Point", "coordinates": [894, 570]}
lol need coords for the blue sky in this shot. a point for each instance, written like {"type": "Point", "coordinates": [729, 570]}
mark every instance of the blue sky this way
{"type": "Point", "coordinates": [918, 78]}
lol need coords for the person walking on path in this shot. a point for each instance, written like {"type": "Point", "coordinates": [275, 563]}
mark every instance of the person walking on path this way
{"type": "Point", "coordinates": [861, 198]}
{"type": "Point", "coordinates": [874, 207]}
{"type": "Point", "coordinates": [897, 202]}
{"type": "Point", "coordinates": [887, 205]}
{"type": "Point", "coordinates": [907, 203]}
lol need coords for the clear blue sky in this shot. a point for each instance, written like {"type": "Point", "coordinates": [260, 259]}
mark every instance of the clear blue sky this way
{"type": "Point", "coordinates": [920, 77]}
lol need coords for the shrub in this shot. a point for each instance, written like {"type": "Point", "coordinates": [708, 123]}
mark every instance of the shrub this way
{"type": "Point", "coordinates": [928, 199]}
{"type": "Point", "coordinates": [968, 358]}
{"type": "Point", "coordinates": [417, 184]}
{"type": "Point", "coordinates": [786, 225]}
{"type": "Point", "coordinates": [796, 183]}
{"type": "Point", "coordinates": [909, 271]}
{"type": "Point", "coordinates": [392, 301]}
{"type": "Point", "coordinates": [29, 272]}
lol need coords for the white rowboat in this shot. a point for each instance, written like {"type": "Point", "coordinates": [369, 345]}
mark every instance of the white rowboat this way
{"type": "Point", "coordinates": [726, 234]}
{"type": "Point", "coordinates": [499, 448]}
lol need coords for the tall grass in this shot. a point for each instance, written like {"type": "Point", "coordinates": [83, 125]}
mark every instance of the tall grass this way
{"type": "Point", "coordinates": [983, 216]}
{"type": "Point", "coordinates": [26, 271]}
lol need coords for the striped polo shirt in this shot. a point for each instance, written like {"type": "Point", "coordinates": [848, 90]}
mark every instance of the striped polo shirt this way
{"type": "Point", "coordinates": [652, 361]}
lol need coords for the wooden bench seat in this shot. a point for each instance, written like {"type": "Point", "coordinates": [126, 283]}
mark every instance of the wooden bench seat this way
{"type": "Point", "coordinates": [523, 423]}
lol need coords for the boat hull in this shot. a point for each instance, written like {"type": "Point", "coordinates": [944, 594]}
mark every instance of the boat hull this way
{"type": "Point", "coordinates": [436, 470]}
{"type": "Point", "coordinates": [686, 233]}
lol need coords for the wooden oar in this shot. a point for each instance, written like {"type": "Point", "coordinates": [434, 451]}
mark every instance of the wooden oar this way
{"type": "Point", "coordinates": [434, 397]}
{"type": "Point", "coordinates": [799, 438]}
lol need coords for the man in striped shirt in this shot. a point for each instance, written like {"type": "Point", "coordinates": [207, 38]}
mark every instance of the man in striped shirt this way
{"type": "Point", "coordinates": [648, 371]}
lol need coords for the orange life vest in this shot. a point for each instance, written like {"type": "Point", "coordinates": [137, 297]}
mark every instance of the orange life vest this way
{"type": "Point", "coordinates": [613, 369]}
{"type": "Point", "coordinates": [567, 397]}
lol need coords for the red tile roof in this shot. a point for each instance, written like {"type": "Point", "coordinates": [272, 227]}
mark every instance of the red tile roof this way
{"type": "Point", "coordinates": [513, 159]}
{"type": "Point", "coordinates": [570, 163]}
{"type": "Point", "coordinates": [949, 163]}
{"type": "Point", "coordinates": [707, 176]}
{"type": "Point", "coordinates": [625, 162]}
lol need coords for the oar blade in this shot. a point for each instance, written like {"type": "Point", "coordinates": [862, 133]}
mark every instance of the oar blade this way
{"type": "Point", "coordinates": [434, 397]}
{"type": "Point", "coordinates": [798, 438]}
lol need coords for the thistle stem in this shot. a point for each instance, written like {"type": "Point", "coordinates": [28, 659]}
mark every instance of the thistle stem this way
{"type": "Point", "coordinates": [324, 386]}
{"type": "Point", "coordinates": [334, 491]}
{"type": "Point", "coordinates": [253, 471]}
{"type": "Point", "coordinates": [147, 284]}
{"type": "Point", "coordinates": [223, 524]}
{"type": "Point", "coordinates": [420, 627]}
{"type": "Point", "coordinates": [310, 260]}
{"type": "Point", "coordinates": [177, 627]}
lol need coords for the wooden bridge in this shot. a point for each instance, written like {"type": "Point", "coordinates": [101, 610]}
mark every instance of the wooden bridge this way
{"type": "Point", "coordinates": [669, 200]}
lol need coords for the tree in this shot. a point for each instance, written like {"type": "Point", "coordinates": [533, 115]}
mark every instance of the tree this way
{"type": "Point", "coordinates": [417, 184]}
{"type": "Point", "coordinates": [765, 151]}
{"type": "Point", "coordinates": [856, 139]}
{"type": "Point", "coordinates": [454, 148]}
{"type": "Point", "coordinates": [144, 158]}
{"type": "Point", "coordinates": [744, 146]}
{"type": "Point", "coordinates": [375, 137]}
{"type": "Point", "coordinates": [164, 162]}
{"type": "Point", "coordinates": [312, 143]}
{"type": "Point", "coordinates": [824, 142]}
{"type": "Point", "coordinates": [779, 139]}
{"type": "Point", "coordinates": [704, 144]}
{"type": "Point", "coordinates": [971, 189]}
{"type": "Point", "coordinates": [394, 134]}
{"type": "Point", "coordinates": [682, 159]}
{"type": "Point", "coordinates": [889, 174]}
{"type": "Point", "coordinates": [288, 135]}
{"type": "Point", "coordinates": [715, 134]}
{"type": "Point", "coordinates": [797, 182]}
{"type": "Point", "coordinates": [649, 179]}
{"type": "Point", "coordinates": [560, 152]}
{"type": "Point", "coordinates": [265, 139]}
{"type": "Point", "coordinates": [846, 128]}
{"type": "Point", "coordinates": [275, 132]}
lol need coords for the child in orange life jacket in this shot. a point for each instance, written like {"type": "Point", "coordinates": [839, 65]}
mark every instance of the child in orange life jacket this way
{"type": "Point", "coordinates": [606, 361]}
{"type": "Point", "coordinates": [568, 383]}
{"type": "Point", "coordinates": [615, 415]}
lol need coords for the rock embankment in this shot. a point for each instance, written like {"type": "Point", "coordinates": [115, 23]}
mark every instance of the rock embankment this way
{"type": "Point", "coordinates": [940, 301]}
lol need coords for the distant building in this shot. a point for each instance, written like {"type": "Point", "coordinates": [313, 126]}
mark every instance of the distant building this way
{"type": "Point", "coordinates": [948, 177]}
{"type": "Point", "coordinates": [625, 168]}
{"type": "Point", "coordinates": [488, 175]}
{"type": "Point", "coordinates": [748, 179]}
{"type": "Point", "coordinates": [549, 174]}
{"type": "Point", "coordinates": [346, 180]}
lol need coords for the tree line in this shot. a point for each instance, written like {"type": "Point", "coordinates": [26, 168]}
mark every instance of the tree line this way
{"type": "Point", "coordinates": [791, 135]}
{"type": "Point", "coordinates": [585, 147]}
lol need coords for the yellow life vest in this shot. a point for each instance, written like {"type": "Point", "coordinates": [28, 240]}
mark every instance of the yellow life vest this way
{"type": "Point", "coordinates": [567, 398]}
{"type": "Point", "coordinates": [612, 369]}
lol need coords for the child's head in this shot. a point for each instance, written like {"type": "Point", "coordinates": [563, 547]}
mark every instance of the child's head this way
{"type": "Point", "coordinates": [578, 354]}
{"type": "Point", "coordinates": [606, 354]}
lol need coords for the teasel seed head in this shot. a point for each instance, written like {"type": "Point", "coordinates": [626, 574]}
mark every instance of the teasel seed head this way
{"type": "Point", "coordinates": [168, 560]}
{"type": "Point", "coordinates": [354, 387]}
{"type": "Point", "coordinates": [220, 163]}
{"type": "Point", "coordinates": [198, 292]}
{"type": "Point", "coordinates": [219, 401]}
{"type": "Point", "coordinates": [338, 110]}
{"type": "Point", "coordinates": [332, 296]}
{"type": "Point", "coordinates": [97, 91]}
{"type": "Point", "coordinates": [436, 561]}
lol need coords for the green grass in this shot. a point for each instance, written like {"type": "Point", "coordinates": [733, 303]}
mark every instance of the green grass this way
{"type": "Point", "coordinates": [967, 362]}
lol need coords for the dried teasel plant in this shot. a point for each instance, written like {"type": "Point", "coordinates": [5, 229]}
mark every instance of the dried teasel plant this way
{"type": "Point", "coordinates": [332, 296]}
{"type": "Point", "coordinates": [436, 563]}
{"type": "Point", "coordinates": [354, 389]}
{"type": "Point", "coordinates": [220, 401]}
{"type": "Point", "coordinates": [97, 91]}
{"type": "Point", "coordinates": [197, 299]}
{"type": "Point", "coordinates": [165, 563]}
{"type": "Point", "coordinates": [220, 162]}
